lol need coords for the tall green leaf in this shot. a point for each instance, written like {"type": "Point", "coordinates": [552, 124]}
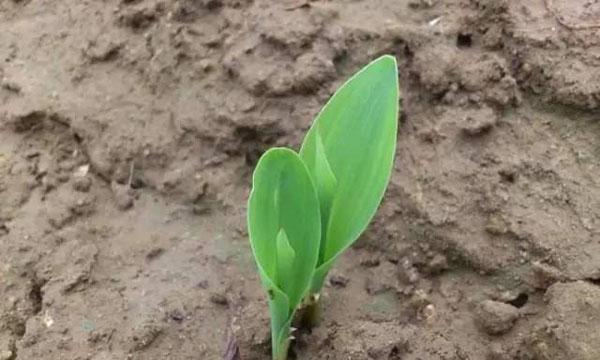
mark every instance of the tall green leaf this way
{"type": "Point", "coordinates": [349, 152]}
{"type": "Point", "coordinates": [285, 230]}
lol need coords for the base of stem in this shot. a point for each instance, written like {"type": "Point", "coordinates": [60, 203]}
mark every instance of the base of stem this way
{"type": "Point", "coordinates": [282, 354]}
{"type": "Point", "coordinates": [311, 313]}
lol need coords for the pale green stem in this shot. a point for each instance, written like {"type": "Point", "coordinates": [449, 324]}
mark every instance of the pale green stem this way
{"type": "Point", "coordinates": [280, 352]}
{"type": "Point", "coordinates": [280, 339]}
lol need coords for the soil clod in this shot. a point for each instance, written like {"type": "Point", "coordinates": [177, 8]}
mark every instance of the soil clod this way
{"type": "Point", "coordinates": [496, 317]}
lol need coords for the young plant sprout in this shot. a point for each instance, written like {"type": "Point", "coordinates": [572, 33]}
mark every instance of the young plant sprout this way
{"type": "Point", "coordinates": [349, 152]}
{"type": "Point", "coordinates": [305, 209]}
{"type": "Point", "coordinates": [285, 228]}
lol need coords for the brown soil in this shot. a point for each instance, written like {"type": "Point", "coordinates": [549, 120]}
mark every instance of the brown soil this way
{"type": "Point", "coordinates": [129, 130]}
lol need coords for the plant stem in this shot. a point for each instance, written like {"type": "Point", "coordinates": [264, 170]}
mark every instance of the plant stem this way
{"type": "Point", "coordinates": [311, 314]}
{"type": "Point", "coordinates": [282, 352]}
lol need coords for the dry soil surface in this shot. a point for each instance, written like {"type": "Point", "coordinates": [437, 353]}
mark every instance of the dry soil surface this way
{"type": "Point", "coordinates": [129, 130]}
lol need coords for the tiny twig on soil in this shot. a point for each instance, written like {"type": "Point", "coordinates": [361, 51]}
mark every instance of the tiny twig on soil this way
{"type": "Point", "coordinates": [131, 168]}
{"type": "Point", "coordinates": [233, 351]}
{"type": "Point", "coordinates": [561, 20]}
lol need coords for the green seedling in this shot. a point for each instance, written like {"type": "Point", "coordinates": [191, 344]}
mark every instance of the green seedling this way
{"type": "Point", "coordinates": [305, 209]}
{"type": "Point", "coordinates": [285, 228]}
{"type": "Point", "coordinates": [349, 152]}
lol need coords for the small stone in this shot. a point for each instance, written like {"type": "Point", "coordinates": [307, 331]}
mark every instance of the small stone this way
{"type": "Point", "coordinates": [417, 304]}
{"type": "Point", "coordinates": [82, 170]}
{"type": "Point", "coordinates": [429, 312]}
{"type": "Point", "coordinates": [496, 317]}
{"type": "Point", "coordinates": [6, 355]}
{"type": "Point", "coordinates": [496, 225]}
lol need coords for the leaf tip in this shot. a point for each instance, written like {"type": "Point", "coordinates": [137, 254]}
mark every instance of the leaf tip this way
{"type": "Point", "coordinates": [388, 58]}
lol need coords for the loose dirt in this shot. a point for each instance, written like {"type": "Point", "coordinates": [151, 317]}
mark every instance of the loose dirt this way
{"type": "Point", "coordinates": [129, 130]}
